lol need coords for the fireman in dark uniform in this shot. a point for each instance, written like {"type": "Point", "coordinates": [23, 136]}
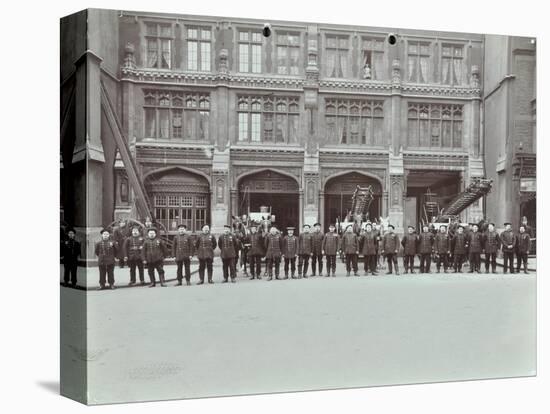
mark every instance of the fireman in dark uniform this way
{"type": "Point", "coordinates": [350, 247]}
{"type": "Point", "coordinates": [459, 247]}
{"type": "Point", "coordinates": [132, 255]}
{"type": "Point", "coordinates": [509, 241]}
{"type": "Point", "coordinates": [331, 245]}
{"type": "Point", "coordinates": [442, 247]}
{"type": "Point", "coordinates": [183, 250]}
{"type": "Point", "coordinates": [426, 249]}
{"type": "Point", "coordinates": [523, 248]}
{"type": "Point", "coordinates": [204, 248]}
{"type": "Point", "coordinates": [274, 249]}
{"type": "Point", "coordinates": [120, 234]}
{"type": "Point", "coordinates": [106, 250]}
{"type": "Point", "coordinates": [491, 246]}
{"type": "Point", "coordinates": [305, 250]}
{"type": "Point", "coordinates": [410, 244]}
{"type": "Point", "coordinates": [390, 248]}
{"type": "Point", "coordinates": [290, 251]}
{"type": "Point", "coordinates": [475, 245]}
{"type": "Point", "coordinates": [153, 253]}
{"type": "Point", "coordinates": [256, 250]}
{"type": "Point", "coordinates": [70, 252]}
{"type": "Point", "coordinates": [229, 247]}
{"type": "Point", "coordinates": [317, 247]}
{"type": "Point", "coordinates": [368, 246]}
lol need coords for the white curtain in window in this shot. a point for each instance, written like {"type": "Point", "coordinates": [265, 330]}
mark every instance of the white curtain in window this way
{"type": "Point", "coordinates": [412, 68]}
{"type": "Point", "coordinates": [457, 64]}
{"type": "Point", "coordinates": [413, 133]}
{"type": "Point", "coordinates": [367, 131]}
{"type": "Point", "coordinates": [191, 124]}
{"type": "Point", "coordinates": [343, 60]}
{"type": "Point", "coordinates": [164, 123]}
{"type": "Point", "coordinates": [281, 128]}
{"type": "Point", "coordinates": [424, 69]}
{"type": "Point", "coordinates": [445, 71]}
{"type": "Point", "coordinates": [424, 133]}
{"type": "Point", "coordinates": [281, 60]}
{"type": "Point", "coordinates": [378, 66]}
{"type": "Point", "coordinates": [150, 115]}
{"type": "Point", "coordinates": [331, 129]}
{"type": "Point", "coordinates": [293, 128]}
{"type": "Point", "coordinates": [294, 54]}
{"type": "Point", "coordinates": [152, 53]}
{"type": "Point", "coordinates": [378, 133]}
{"type": "Point", "coordinates": [446, 134]}
{"type": "Point", "coordinates": [331, 62]}
{"type": "Point", "coordinates": [166, 55]}
{"type": "Point", "coordinates": [256, 58]}
{"type": "Point", "coordinates": [255, 127]}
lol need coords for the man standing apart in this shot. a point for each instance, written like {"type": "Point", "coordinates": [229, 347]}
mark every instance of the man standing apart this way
{"type": "Point", "coordinates": [204, 246]}
{"type": "Point", "coordinates": [132, 255]}
{"type": "Point", "coordinates": [331, 245]}
{"type": "Point", "coordinates": [70, 252]}
{"type": "Point", "coordinates": [390, 248]}
{"type": "Point", "coordinates": [182, 250]}
{"type": "Point", "coordinates": [409, 243]}
{"type": "Point", "coordinates": [106, 251]}
{"type": "Point", "coordinates": [317, 249]}
{"type": "Point", "coordinates": [350, 247]}
{"type": "Point", "coordinates": [305, 251]}
{"type": "Point", "coordinates": [229, 247]}
{"type": "Point", "coordinates": [508, 240]}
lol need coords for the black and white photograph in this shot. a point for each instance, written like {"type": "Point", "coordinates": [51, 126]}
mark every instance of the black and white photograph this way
{"type": "Point", "coordinates": [253, 206]}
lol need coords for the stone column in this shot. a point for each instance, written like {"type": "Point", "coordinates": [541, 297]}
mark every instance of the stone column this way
{"type": "Point", "coordinates": [222, 199]}
{"type": "Point", "coordinates": [322, 208]}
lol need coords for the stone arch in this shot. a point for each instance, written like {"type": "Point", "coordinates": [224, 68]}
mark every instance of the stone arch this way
{"type": "Point", "coordinates": [356, 171]}
{"type": "Point", "coordinates": [239, 177]}
{"type": "Point", "coordinates": [162, 170]}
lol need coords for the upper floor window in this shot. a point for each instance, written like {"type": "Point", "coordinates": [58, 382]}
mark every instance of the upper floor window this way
{"type": "Point", "coordinates": [451, 64]}
{"type": "Point", "coordinates": [199, 48]}
{"type": "Point", "coordinates": [435, 126]}
{"type": "Point", "coordinates": [250, 51]}
{"type": "Point", "coordinates": [337, 49]}
{"type": "Point", "coordinates": [159, 42]}
{"type": "Point", "coordinates": [268, 119]}
{"type": "Point", "coordinates": [418, 61]}
{"type": "Point", "coordinates": [355, 122]}
{"type": "Point", "coordinates": [372, 59]}
{"type": "Point", "coordinates": [288, 53]}
{"type": "Point", "coordinates": [176, 115]}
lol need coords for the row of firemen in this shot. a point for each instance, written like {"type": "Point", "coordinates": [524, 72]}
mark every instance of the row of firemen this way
{"type": "Point", "coordinates": [149, 251]}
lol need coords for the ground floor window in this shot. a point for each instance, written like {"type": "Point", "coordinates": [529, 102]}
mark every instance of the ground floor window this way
{"type": "Point", "coordinates": [173, 209]}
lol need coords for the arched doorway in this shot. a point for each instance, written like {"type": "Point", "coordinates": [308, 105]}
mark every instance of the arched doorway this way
{"type": "Point", "coordinates": [179, 196]}
{"type": "Point", "coordinates": [338, 192]}
{"type": "Point", "coordinates": [271, 189]}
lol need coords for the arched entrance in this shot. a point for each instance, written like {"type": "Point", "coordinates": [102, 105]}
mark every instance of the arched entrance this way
{"type": "Point", "coordinates": [179, 196]}
{"type": "Point", "coordinates": [338, 192]}
{"type": "Point", "coordinates": [272, 189]}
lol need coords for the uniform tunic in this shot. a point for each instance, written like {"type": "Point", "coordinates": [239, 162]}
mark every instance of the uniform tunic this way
{"type": "Point", "coordinates": [331, 243]}
{"type": "Point", "coordinates": [182, 248]}
{"type": "Point", "coordinates": [350, 243]}
{"type": "Point", "coordinates": [442, 243]}
{"type": "Point", "coordinates": [491, 242]}
{"type": "Point", "coordinates": [290, 247]}
{"type": "Point", "coordinates": [475, 242]}
{"type": "Point", "coordinates": [523, 243]}
{"type": "Point", "coordinates": [317, 243]}
{"type": "Point", "coordinates": [257, 244]}
{"type": "Point", "coordinates": [132, 247]}
{"type": "Point", "coordinates": [229, 246]}
{"type": "Point", "coordinates": [459, 244]}
{"type": "Point", "coordinates": [508, 238]}
{"type": "Point", "coordinates": [425, 243]}
{"type": "Point", "coordinates": [369, 243]}
{"type": "Point", "coordinates": [204, 246]}
{"type": "Point", "coordinates": [390, 243]}
{"type": "Point", "coordinates": [305, 244]}
{"type": "Point", "coordinates": [274, 246]}
{"type": "Point", "coordinates": [409, 242]}
{"type": "Point", "coordinates": [154, 250]}
{"type": "Point", "coordinates": [106, 251]}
